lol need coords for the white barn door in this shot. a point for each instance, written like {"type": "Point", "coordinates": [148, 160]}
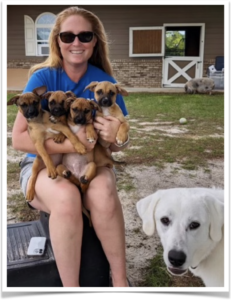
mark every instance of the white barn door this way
{"type": "Point", "coordinates": [179, 68]}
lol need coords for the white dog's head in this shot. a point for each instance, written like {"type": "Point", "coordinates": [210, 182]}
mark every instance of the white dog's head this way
{"type": "Point", "coordinates": [189, 222]}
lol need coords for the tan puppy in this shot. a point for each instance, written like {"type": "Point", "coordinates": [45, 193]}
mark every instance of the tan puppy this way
{"type": "Point", "coordinates": [105, 94]}
{"type": "Point", "coordinates": [81, 169]}
{"type": "Point", "coordinates": [41, 128]}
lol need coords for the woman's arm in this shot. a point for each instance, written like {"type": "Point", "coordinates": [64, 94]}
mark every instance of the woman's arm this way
{"type": "Point", "coordinates": [21, 140]}
{"type": "Point", "coordinates": [107, 128]}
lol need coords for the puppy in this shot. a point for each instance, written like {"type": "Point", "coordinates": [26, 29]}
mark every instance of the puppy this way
{"type": "Point", "coordinates": [200, 86]}
{"type": "Point", "coordinates": [41, 128]}
{"type": "Point", "coordinates": [81, 169]}
{"type": "Point", "coordinates": [105, 94]}
{"type": "Point", "coordinates": [190, 224]}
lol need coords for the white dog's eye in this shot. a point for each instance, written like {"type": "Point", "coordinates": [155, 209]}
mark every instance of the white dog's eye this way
{"type": "Point", "coordinates": [165, 221]}
{"type": "Point", "coordinates": [194, 225]}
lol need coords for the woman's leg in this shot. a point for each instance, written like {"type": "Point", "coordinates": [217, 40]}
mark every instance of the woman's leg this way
{"type": "Point", "coordinates": [62, 201]}
{"type": "Point", "coordinates": [107, 217]}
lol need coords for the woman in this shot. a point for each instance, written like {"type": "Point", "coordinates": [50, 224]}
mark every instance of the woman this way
{"type": "Point", "coordinates": [78, 55]}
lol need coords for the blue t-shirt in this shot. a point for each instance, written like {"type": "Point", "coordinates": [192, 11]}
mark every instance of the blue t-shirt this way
{"type": "Point", "coordinates": [57, 80]}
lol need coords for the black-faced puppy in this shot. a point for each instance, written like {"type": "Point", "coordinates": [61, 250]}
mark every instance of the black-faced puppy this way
{"type": "Point", "coordinates": [59, 109]}
{"type": "Point", "coordinates": [105, 94]}
{"type": "Point", "coordinates": [41, 128]}
{"type": "Point", "coordinates": [81, 169]}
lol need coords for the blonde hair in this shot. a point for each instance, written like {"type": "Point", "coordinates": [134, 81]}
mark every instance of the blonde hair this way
{"type": "Point", "coordinates": [100, 56]}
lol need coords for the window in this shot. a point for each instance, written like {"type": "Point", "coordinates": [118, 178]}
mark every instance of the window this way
{"type": "Point", "coordinates": [175, 43]}
{"type": "Point", "coordinates": [37, 34]}
{"type": "Point", "coordinates": [182, 41]}
{"type": "Point", "coordinates": [146, 41]}
{"type": "Point", "coordinates": [43, 27]}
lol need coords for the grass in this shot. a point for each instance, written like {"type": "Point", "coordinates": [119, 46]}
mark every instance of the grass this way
{"type": "Point", "coordinates": [193, 147]}
{"type": "Point", "coordinates": [156, 275]}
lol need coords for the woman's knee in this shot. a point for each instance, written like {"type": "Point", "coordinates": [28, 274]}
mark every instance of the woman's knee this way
{"type": "Point", "coordinates": [63, 199]}
{"type": "Point", "coordinates": [104, 182]}
{"type": "Point", "coordinates": [102, 194]}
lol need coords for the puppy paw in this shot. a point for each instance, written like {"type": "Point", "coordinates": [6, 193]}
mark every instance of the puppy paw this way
{"type": "Point", "coordinates": [91, 140]}
{"type": "Point", "coordinates": [30, 195]}
{"type": "Point", "coordinates": [83, 179]}
{"type": "Point", "coordinates": [53, 119]}
{"type": "Point", "coordinates": [91, 136]}
{"type": "Point", "coordinates": [52, 173]}
{"type": "Point", "coordinates": [67, 174]}
{"type": "Point", "coordinates": [120, 142]}
{"type": "Point", "coordinates": [59, 138]}
{"type": "Point", "coordinates": [80, 148]}
{"type": "Point", "coordinates": [121, 139]}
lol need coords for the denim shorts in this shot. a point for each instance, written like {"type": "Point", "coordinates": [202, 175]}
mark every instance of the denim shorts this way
{"type": "Point", "coordinates": [26, 170]}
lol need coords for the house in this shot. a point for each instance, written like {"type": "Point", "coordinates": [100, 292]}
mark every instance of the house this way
{"type": "Point", "coordinates": [150, 45]}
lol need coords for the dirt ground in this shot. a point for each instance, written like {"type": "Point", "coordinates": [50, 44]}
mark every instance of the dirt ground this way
{"type": "Point", "coordinates": [141, 248]}
{"type": "Point", "coordinates": [144, 181]}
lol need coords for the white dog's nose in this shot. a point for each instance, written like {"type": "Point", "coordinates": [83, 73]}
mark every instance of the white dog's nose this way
{"type": "Point", "coordinates": [176, 258]}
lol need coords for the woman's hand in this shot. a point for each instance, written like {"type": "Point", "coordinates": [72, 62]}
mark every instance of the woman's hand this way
{"type": "Point", "coordinates": [107, 128]}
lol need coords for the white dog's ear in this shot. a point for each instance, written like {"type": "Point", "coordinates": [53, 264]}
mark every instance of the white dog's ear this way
{"type": "Point", "coordinates": [216, 209]}
{"type": "Point", "coordinates": [145, 208]}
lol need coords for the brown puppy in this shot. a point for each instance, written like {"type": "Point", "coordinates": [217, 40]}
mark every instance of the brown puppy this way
{"type": "Point", "coordinates": [105, 94]}
{"type": "Point", "coordinates": [41, 128]}
{"type": "Point", "coordinates": [81, 169]}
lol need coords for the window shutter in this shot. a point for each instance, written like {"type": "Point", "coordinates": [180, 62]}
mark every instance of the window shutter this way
{"type": "Point", "coordinates": [29, 29]}
{"type": "Point", "coordinates": [146, 41]}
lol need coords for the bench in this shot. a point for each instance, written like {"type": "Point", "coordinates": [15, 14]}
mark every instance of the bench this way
{"type": "Point", "coordinates": [24, 271]}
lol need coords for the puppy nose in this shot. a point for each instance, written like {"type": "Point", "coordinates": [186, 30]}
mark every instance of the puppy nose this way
{"type": "Point", "coordinates": [105, 102]}
{"type": "Point", "coordinates": [57, 109]}
{"type": "Point", "coordinates": [32, 111]}
{"type": "Point", "coordinates": [176, 258]}
{"type": "Point", "coordinates": [80, 119]}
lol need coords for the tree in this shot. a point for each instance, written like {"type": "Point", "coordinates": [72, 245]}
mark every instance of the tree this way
{"type": "Point", "coordinates": [175, 43]}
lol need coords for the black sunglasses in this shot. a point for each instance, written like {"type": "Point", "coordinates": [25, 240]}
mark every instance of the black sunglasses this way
{"type": "Point", "coordinates": [69, 37]}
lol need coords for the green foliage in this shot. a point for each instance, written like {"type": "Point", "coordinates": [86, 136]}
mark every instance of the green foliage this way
{"type": "Point", "coordinates": [156, 275]}
{"type": "Point", "coordinates": [175, 43]}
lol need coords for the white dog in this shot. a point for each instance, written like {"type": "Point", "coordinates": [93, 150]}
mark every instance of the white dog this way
{"type": "Point", "coordinates": [189, 222]}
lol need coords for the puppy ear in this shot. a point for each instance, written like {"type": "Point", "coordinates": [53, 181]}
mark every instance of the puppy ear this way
{"type": "Point", "coordinates": [94, 105]}
{"type": "Point", "coordinates": [146, 208]}
{"type": "Point", "coordinates": [91, 86]}
{"type": "Point", "coordinates": [120, 90]}
{"type": "Point", "coordinates": [39, 90]}
{"type": "Point", "coordinates": [46, 96]}
{"type": "Point", "coordinates": [216, 210]}
{"type": "Point", "coordinates": [70, 100]}
{"type": "Point", "coordinates": [70, 94]}
{"type": "Point", "coordinates": [14, 100]}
